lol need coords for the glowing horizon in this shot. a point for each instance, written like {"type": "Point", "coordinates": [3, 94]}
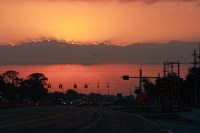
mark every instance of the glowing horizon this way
{"type": "Point", "coordinates": [70, 74]}
{"type": "Point", "coordinates": [117, 21]}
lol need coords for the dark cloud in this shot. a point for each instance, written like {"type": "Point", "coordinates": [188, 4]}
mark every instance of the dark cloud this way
{"type": "Point", "coordinates": [54, 52]}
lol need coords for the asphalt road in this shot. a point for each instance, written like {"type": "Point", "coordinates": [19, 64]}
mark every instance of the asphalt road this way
{"type": "Point", "coordinates": [71, 119]}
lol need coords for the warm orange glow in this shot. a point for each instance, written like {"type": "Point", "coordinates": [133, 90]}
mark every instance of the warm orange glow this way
{"type": "Point", "coordinates": [68, 74]}
{"type": "Point", "coordinates": [116, 22]}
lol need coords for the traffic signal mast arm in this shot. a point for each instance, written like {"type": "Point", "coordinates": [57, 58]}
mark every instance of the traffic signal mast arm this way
{"type": "Point", "coordinates": [126, 77]}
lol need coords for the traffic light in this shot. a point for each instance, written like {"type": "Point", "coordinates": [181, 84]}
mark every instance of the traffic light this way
{"type": "Point", "coordinates": [85, 86]}
{"type": "Point", "coordinates": [108, 85]}
{"type": "Point", "coordinates": [126, 77]}
{"type": "Point", "coordinates": [60, 86]}
{"type": "Point", "coordinates": [97, 85]}
{"type": "Point", "coordinates": [75, 86]}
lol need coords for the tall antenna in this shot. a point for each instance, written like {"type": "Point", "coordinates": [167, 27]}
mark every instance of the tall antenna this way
{"type": "Point", "coordinates": [178, 69]}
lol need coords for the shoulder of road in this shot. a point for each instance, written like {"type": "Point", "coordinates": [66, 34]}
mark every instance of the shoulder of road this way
{"type": "Point", "coordinates": [178, 122]}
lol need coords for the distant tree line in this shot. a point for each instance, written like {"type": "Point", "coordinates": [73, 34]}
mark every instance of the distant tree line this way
{"type": "Point", "coordinates": [34, 88]}
{"type": "Point", "coordinates": [12, 87]}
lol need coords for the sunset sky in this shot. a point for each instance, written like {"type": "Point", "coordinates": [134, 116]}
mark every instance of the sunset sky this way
{"type": "Point", "coordinates": [115, 21]}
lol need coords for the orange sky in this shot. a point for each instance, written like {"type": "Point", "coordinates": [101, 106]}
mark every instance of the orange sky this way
{"type": "Point", "coordinates": [115, 21]}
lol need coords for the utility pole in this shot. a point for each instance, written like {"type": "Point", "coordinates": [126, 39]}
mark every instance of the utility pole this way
{"type": "Point", "coordinates": [195, 90]}
{"type": "Point", "coordinates": [178, 69]}
{"type": "Point", "coordinates": [169, 68]}
{"type": "Point", "coordinates": [199, 55]}
{"type": "Point", "coordinates": [140, 79]}
{"type": "Point", "coordinates": [195, 58]}
{"type": "Point", "coordinates": [164, 70]}
{"type": "Point", "coordinates": [195, 75]}
{"type": "Point", "coordinates": [172, 67]}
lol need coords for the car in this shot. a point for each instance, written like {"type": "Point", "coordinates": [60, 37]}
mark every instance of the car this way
{"type": "Point", "coordinates": [76, 102]}
{"type": "Point", "coordinates": [106, 103]}
{"type": "Point", "coordinates": [58, 102]}
{"type": "Point", "coordinates": [84, 102]}
{"type": "Point", "coordinates": [95, 102]}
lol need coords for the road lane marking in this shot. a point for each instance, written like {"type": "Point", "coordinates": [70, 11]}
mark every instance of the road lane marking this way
{"type": "Point", "coordinates": [4, 116]}
{"type": "Point", "coordinates": [147, 120]}
{"type": "Point", "coordinates": [35, 120]}
{"type": "Point", "coordinates": [93, 123]}
{"type": "Point", "coordinates": [169, 131]}
{"type": "Point", "coordinates": [87, 127]}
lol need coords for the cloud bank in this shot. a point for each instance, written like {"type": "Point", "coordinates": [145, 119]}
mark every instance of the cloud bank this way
{"type": "Point", "coordinates": [54, 52]}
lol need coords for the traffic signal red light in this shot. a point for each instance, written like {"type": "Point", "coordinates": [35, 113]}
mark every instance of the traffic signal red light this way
{"type": "Point", "coordinates": [108, 85]}
{"type": "Point", "coordinates": [60, 86]}
{"type": "Point", "coordinates": [85, 86]}
{"type": "Point", "coordinates": [75, 86]}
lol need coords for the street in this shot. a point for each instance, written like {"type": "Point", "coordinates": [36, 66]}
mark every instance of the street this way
{"type": "Point", "coordinates": [73, 119]}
